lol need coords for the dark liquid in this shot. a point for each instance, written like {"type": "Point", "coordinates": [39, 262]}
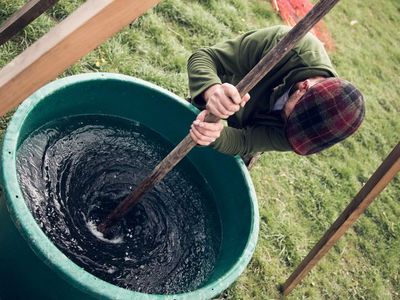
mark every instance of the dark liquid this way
{"type": "Point", "coordinates": [74, 171]}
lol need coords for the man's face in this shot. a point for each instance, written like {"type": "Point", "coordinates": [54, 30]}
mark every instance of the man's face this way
{"type": "Point", "coordinates": [300, 89]}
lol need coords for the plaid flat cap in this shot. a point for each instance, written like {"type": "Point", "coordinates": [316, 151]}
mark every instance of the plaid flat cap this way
{"type": "Point", "coordinates": [329, 112]}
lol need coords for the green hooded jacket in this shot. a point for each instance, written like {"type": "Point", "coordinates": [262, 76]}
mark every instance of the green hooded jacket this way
{"type": "Point", "coordinates": [256, 127]}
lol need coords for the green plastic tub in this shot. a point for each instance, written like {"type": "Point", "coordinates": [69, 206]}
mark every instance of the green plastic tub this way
{"type": "Point", "coordinates": [31, 267]}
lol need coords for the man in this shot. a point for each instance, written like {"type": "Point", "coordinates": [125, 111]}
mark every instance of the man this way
{"type": "Point", "coordinates": [299, 106]}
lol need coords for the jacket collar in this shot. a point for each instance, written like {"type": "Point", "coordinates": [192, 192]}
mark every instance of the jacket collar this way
{"type": "Point", "coordinates": [295, 76]}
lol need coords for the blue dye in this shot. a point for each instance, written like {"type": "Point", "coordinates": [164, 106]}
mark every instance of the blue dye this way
{"type": "Point", "coordinates": [74, 171]}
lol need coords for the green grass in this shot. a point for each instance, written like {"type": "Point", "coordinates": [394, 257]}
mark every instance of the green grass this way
{"type": "Point", "coordinates": [299, 197]}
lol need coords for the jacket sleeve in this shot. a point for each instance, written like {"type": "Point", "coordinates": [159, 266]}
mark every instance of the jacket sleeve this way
{"type": "Point", "coordinates": [208, 66]}
{"type": "Point", "coordinates": [249, 140]}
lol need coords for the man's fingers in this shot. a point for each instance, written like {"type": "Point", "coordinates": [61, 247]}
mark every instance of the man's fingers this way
{"type": "Point", "coordinates": [234, 101]}
{"type": "Point", "coordinates": [212, 130]}
{"type": "Point", "coordinates": [207, 138]}
{"type": "Point", "coordinates": [208, 126]}
{"type": "Point", "coordinates": [222, 107]}
{"type": "Point", "coordinates": [223, 100]}
{"type": "Point", "coordinates": [230, 106]}
{"type": "Point", "coordinates": [212, 134]}
{"type": "Point", "coordinates": [204, 133]}
{"type": "Point", "coordinates": [232, 93]}
{"type": "Point", "coordinates": [196, 139]}
{"type": "Point", "coordinates": [201, 116]}
{"type": "Point", "coordinates": [245, 99]}
{"type": "Point", "coordinates": [199, 138]}
{"type": "Point", "coordinates": [217, 109]}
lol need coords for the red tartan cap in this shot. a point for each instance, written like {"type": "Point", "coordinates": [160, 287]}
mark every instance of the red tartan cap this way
{"type": "Point", "coordinates": [329, 112]}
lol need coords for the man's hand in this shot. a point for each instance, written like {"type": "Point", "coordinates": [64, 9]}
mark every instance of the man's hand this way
{"type": "Point", "coordinates": [205, 133]}
{"type": "Point", "coordinates": [223, 100]}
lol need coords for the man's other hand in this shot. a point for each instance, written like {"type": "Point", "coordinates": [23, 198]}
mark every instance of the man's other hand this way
{"type": "Point", "coordinates": [204, 133]}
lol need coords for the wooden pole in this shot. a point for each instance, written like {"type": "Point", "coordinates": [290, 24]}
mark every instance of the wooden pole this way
{"type": "Point", "coordinates": [377, 182]}
{"type": "Point", "coordinates": [29, 12]}
{"type": "Point", "coordinates": [266, 64]}
{"type": "Point", "coordinates": [82, 31]}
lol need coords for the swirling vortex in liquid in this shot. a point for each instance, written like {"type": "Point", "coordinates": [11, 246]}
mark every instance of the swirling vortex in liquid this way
{"type": "Point", "coordinates": [74, 171]}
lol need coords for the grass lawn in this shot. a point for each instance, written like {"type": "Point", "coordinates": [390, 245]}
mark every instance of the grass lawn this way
{"type": "Point", "coordinates": [299, 197]}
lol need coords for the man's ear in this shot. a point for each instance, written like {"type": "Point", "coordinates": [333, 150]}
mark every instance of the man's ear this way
{"type": "Point", "coordinates": [304, 85]}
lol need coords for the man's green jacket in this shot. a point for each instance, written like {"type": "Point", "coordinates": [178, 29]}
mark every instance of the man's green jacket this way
{"type": "Point", "coordinates": [256, 127]}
